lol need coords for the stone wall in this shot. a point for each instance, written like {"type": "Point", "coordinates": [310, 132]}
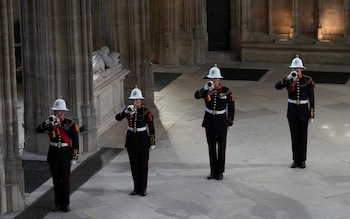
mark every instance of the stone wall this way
{"type": "Point", "coordinates": [284, 52]}
{"type": "Point", "coordinates": [108, 95]}
{"type": "Point", "coordinates": [317, 30]}
{"type": "Point", "coordinates": [261, 30]}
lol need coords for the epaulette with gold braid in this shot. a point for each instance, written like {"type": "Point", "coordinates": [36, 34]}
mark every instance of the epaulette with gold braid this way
{"type": "Point", "coordinates": [76, 126]}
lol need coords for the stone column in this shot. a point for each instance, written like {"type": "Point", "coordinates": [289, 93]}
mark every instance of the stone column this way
{"type": "Point", "coordinates": [140, 50]}
{"type": "Point", "coordinates": [11, 172]}
{"type": "Point", "coordinates": [166, 46]}
{"type": "Point", "coordinates": [57, 48]}
{"type": "Point", "coordinates": [318, 9]}
{"type": "Point", "coordinates": [79, 35]}
{"type": "Point", "coordinates": [235, 33]}
{"type": "Point", "coordinates": [244, 21]}
{"type": "Point", "coordinates": [200, 35]}
{"type": "Point", "coordinates": [181, 36]}
{"type": "Point", "coordinates": [296, 18]}
{"type": "Point", "coordinates": [105, 23]}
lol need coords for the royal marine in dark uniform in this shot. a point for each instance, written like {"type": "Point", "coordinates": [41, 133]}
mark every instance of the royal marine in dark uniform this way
{"type": "Point", "coordinates": [301, 109]}
{"type": "Point", "coordinates": [63, 149]}
{"type": "Point", "coordinates": [218, 116]}
{"type": "Point", "coordinates": [138, 140]}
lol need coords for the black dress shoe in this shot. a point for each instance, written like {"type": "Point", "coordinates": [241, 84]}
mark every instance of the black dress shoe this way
{"type": "Point", "coordinates": [210, 177]}
{"type": "Point", "coordinates": [144, 193]}
{"type": "Point", "coordinates": [302, 165]}
{"type": "Point", "coordinates": [294, 165]}
{"type": "Point", "coordinates": [66, 209]}
{"type": "Point", "coordinates": [134, 192]}
{"type": "Point", "coordinates": [56, 208]}
{"type": "Point", "coordinates": [220, 177]}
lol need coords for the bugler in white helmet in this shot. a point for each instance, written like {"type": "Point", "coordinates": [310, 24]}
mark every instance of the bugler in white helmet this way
{"type": "Point", "coordinates": [59, 104]}
{"type": "Point", "coordinates": [214, 72]}
{"type": "Point", "coordinates": [136, 94]}
{"type": "Point", "coordinates": [297, 63]}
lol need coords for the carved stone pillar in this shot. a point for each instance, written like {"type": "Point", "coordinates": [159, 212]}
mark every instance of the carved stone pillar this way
{"type": "Point", "coordinates": [182, 26]}
{"type": "Point", "coordinates": [140, 50]}
{"type": "Point", "coordinates": [82, 87]}
{"type": "Point", "coordinates": [295, 18]}
{"type": "Point", "coordinates": [200, 35]}
{"type": "Point", "coordinates": [105, 23]}
{"type": "Point", "coordinates": [235, 33]}
{"type": "Point", "coordinates": [244, 21]}
{"type": "Point", "coordinates": [57, 48]}
{"type": "Point", "coordinates": [11, 172]}
{"type": "Point", "coordinates": [166, 45]}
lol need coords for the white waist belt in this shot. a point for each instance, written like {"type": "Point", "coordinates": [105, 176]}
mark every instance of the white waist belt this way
{"type": "Point", "coordinates": [298, 101]}
{"type": "Point", "coordinates": [214, 112]}
{"type": "Point", "coordinates": [58, 144]}
{"type": "Point", "coordinates": [137, 129]}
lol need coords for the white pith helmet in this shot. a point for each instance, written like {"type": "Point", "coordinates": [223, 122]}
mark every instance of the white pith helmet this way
{"type": "Point", "coordinates": [59, 104]}
{"type": "Point", "coordinates": [214, 72]}
{"type": "Point", "coordinates": [136, 94]}
{"type": "Point", "coordinates": [297, 63]}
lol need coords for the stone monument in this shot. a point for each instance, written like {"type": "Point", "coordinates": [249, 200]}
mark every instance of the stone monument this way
{"type": "Point", "coordinates": [108, 78]}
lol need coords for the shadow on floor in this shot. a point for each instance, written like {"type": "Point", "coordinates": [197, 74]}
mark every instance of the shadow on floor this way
{"type": "Point", "coordinates": [81, 174]}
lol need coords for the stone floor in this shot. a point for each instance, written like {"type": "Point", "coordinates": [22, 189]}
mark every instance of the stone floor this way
{"type": "Point", "coordinates": [258, 182]}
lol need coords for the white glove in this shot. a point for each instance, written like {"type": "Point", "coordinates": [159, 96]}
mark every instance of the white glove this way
{"type": "Point", "coordinates": [130, 109]}
{"type": "Point", "coordinates": [209, 85]}
{"type": "Point", "coordinates": [292, 75]}
{"type": "Point", "coordinates": [50, 120]}
{"type": "Point", "coordinates": [152, 147]}
{"type": "Point", "coordinates": [126, 110]}
{"type": "Point", "coordinates": [47, 121]}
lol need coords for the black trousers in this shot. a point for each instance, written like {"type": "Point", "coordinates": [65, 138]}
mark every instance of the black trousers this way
{"type": "Point", "coordinates": [298, 132]}
{"type": "Point", "coordinates": [61, 184]}
{"type": "Point", "coordinates": [217, 150]}
{"type": "Point", "coordinates": [139, 168]}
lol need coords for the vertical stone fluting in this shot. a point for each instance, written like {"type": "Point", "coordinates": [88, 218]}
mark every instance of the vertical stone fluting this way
{"type": "Point", "coordinates": [57, 45]}
{"type": "Point", "coordinates": [200, 36]}
{"type": "Point", "coordinates": [140, 49]}
{"type": "Point", "coordinates": [11, 172]}
{"type": "Point", "coordinates": [81, 89]}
